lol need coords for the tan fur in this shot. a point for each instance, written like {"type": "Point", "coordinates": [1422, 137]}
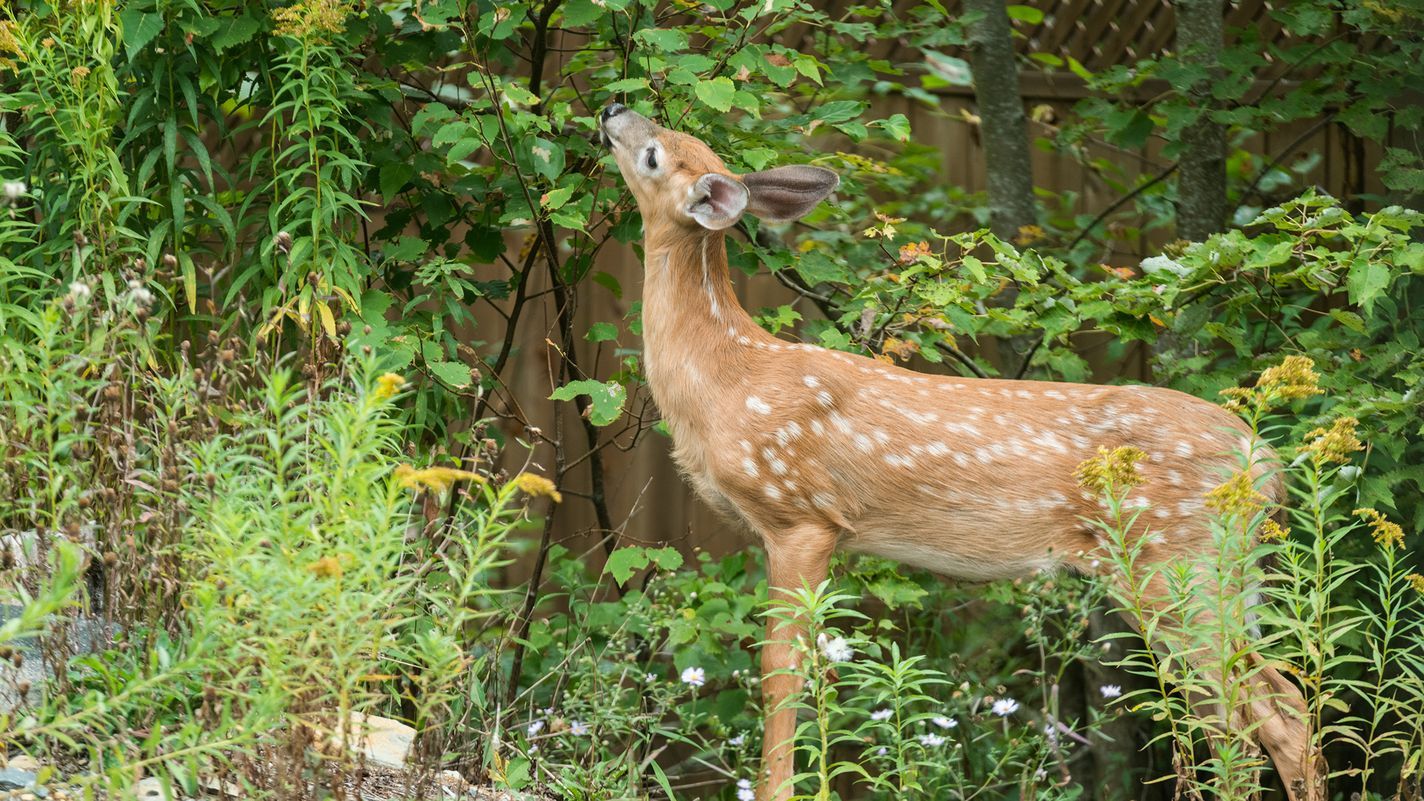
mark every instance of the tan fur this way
{"type": "Point", "coordinates": [815, 449]}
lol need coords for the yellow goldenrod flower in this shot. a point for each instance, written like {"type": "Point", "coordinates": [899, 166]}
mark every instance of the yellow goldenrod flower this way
{"type": "Point", "coordinates": [1236, 495]}
{"type": "Point", "coordinates": [1387, 534]}
{"type": "Point", "coordinates": [388, 385]}
{"type": "Point", "coordinates": [435, 479]}
{"type": "Point", "coordinates": [1334, 444]}
{"type": "Point", "coordinates": [326, 567]}
{"type": "Point", "coordinates": [537, 486]}
{"type": "Point", "coordinates": [1416, 581]}
{"type": "Point", "coordinates": [312, 20]}
{"type": "Point", "coordinates": [1111, 470]}
{"type": "Point", "coordinates": [1293, 378]}
{"type": "Point", "coordinates": [1273, 531]}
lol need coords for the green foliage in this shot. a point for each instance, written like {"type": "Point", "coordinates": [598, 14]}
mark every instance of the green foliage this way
{"type": "Point", "coordinates": [223, 218]}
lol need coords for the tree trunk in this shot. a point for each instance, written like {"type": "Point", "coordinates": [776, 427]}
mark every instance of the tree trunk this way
{"type": "Point", "coordinates": [1201, 182]}
{"type": "Point", "coordinates": [1003, 125]}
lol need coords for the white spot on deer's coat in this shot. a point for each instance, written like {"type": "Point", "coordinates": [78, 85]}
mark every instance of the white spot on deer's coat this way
{"type": "Point", "coordinates": [744, 340]}
{"type": "Point", "coordinates": [777, 466]}
{"type": "Point", "coordinates": [961, 460]}
{"type": "Point", "coordinates": [1183, 449]}
{"type": "Point", "coordinates": [937, 448]}
{"type": "Point", "coordinates": [817, 428]}
{"type": "Point", "coordinates": [773, 493]}
{"type": "Point", "coordinates": [1055, 394]}
{"type": "Point", "coordinates": [822, 500]}
{"type": "Point", "coordinates": [824, 398]}
{"type": "Point", "coordinates": [863, 443]}
{"type": "Point", "coordinates": [880, 436]}
{"type": "Point", "coordinates": [840, 422]}
{"type": "Point", "coordinates": [750, 467]}
{"type": "Point", "coordinates": [758, 405]}
{"type": "Point", "coordinates": [811, 381]}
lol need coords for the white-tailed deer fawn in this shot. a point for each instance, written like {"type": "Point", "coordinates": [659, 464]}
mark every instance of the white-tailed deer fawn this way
{"type": "Point", "coordinates": [815, 449]}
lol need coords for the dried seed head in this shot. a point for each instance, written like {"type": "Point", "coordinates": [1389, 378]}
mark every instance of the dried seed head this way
{"type": "Point", "coordinates": [284, 241]}
{"type": "Point", "coordinates": [170, 261]}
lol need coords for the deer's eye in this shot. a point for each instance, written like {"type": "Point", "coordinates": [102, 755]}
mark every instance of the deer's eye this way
{"type": "Point", "coordinates": [652, 159]}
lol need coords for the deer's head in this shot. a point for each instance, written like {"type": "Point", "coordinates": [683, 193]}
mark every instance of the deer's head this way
{"type": "Point", "coordinates": [678, 180]}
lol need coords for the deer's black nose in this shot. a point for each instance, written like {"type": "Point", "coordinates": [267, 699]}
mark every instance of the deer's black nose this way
{"type": "Point", "coordinates": [612, 110]}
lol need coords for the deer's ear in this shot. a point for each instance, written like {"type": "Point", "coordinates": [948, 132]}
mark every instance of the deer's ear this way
{"type": "Point", "coordinates": [716, 201]}
{"type": "Point", "coordinates": [787, 193]}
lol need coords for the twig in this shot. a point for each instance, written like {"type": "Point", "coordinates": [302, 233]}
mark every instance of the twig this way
{"type": "Point", "coordinates": [1119, 203]}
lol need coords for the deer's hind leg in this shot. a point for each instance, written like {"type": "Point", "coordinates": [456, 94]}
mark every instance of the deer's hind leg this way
{"type": "Point", "coordinates": [1271, 708]}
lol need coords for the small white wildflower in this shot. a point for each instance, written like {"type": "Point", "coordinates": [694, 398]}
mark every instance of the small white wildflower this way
{"type": "Point", "coordinates": [836, 650]}
{"type": "Point", "coordinates": [1040, 774]}
{"type": "Point", "coordinates": [738, 740]}
{"type": "Point", "coordinates": [882, 751]}
{"type": "Point", "coordinates": [745, 791]}
{"type": "Point", "coordinates": [881, 714]}
{"type": "Point", "coordinates": [1005, 707]}
{"type": "Point", "coordinates": [1110, 690]}
{"type": "Point", "coordinates": [79, 292]}
{"type": "Point", "coordinates": [578, 728]}
{"type": "Point", "coordinates": [535, 727]}
{"type": "Point", "coordinates": [141, 296]}
{"type": "Point", "coordinates": [694, 676]}
{"type": "Point", "coordinates": [931, 740]}
{"type": "Point", "coordinates": [1159, 264]}
{"type": "Point", "coordinates": [1050, 733]}
{"type": "Point", "coordinates": [944, 722]}
{"type": "Point", "coordinates": [650, 677]}
{"type": "Point", "coordinates": [13, 190]}
{"type": "Point", "coordinates": [534, 749]}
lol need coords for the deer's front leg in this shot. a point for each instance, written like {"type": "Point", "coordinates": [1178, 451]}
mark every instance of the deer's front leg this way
{"type": "Point", "coordinates": [795, 558]}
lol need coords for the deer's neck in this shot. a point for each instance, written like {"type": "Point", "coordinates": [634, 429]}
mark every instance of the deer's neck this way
{"type": "Point", "coordinates": [697, 338]}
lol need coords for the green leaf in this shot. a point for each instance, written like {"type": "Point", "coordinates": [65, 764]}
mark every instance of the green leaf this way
{"type": "Point", "coordinates": [949, 69]}
{"type": "Point", "coordinates": [624, 562]}
{"type": "Point", "coordinates": [393, 176]}
{"type": "Point", "coordinates": [626, 85]}
{"type": "Point", "coordinates": [716, 93]}
{"type": "Point", "coordinates": [556, 198]}
{"type": "Point", "coordinates": [607, 398]}
{"type": "Point", "coordinates": [666, 558]}
{"type": "Point", "coordinates": [897, 125]}
{"type": "Point", "coordinates": [758, 157]}
{"type": "Point", "coordinates": [140, 28]}
{"type": "Point", "coordinates": [663, 39]}
{"type": "Point", "coordinates": [1349, 319]}
{"type": "Point", "coordinates": [1368, 279]}
{"type": "Point", "coordinates": [407, 248]}
{"type": "Point", "coordinates": [190, 280]}
{"type": "Point", "coordinates": [601, 332]}
{"type": "Point", "coordinates": [1029, 14]}
{"type": "Point", "coordinates": [238, 30]}
{"type": "Point", "coordinates": [454, 374]}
